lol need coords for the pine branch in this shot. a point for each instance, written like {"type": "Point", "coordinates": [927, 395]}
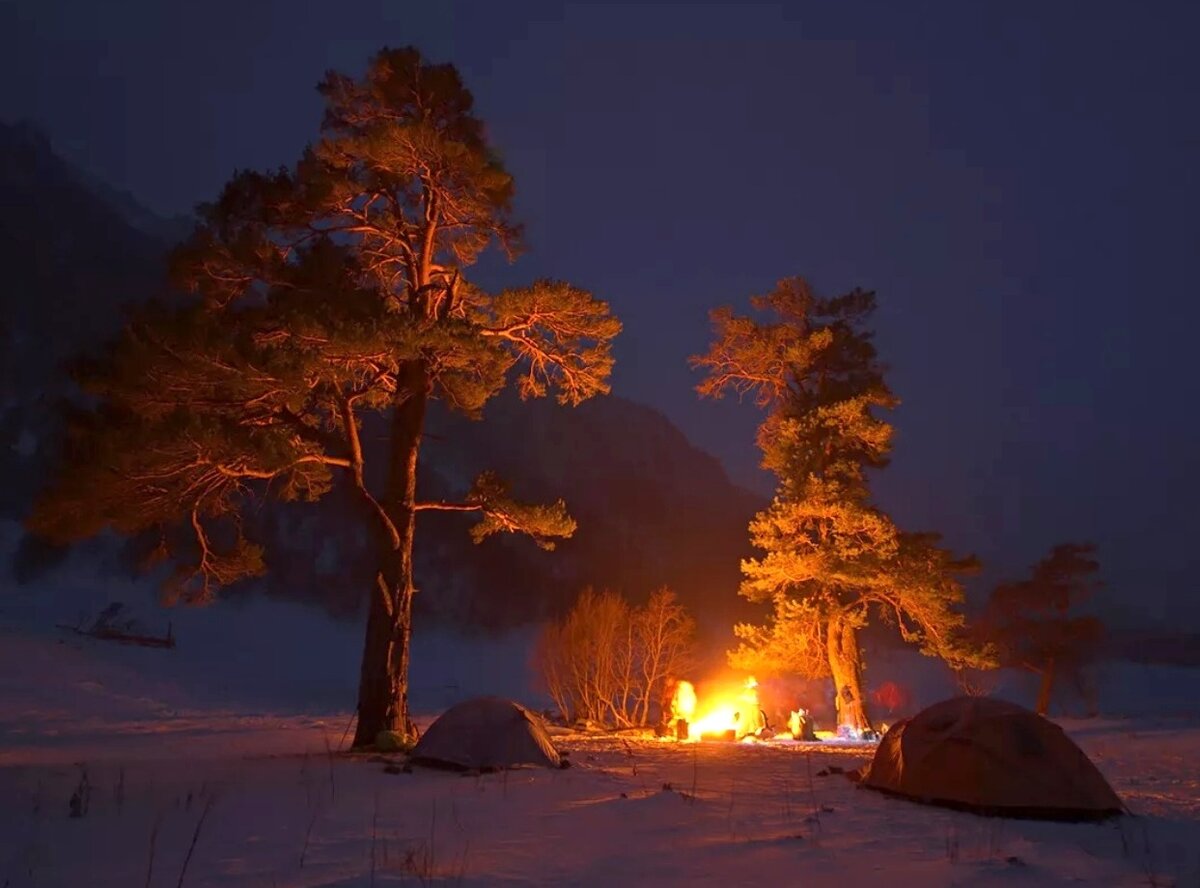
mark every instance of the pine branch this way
{"type": "Point", "coordinates": [448, 507]}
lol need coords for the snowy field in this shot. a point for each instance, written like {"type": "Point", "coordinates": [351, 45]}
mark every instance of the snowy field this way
{"type": "Point", "coordinates": [238, 797]}
{"type": "Point", "coordinates": [216, 764]}
{"type": "Point", "coordinates": [633, 812]}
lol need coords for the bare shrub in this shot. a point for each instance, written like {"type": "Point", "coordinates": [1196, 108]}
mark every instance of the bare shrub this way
{"type": "Point", "coordinates": [977, 682]}
{"type": "Point", "coordinates": [610, 663]}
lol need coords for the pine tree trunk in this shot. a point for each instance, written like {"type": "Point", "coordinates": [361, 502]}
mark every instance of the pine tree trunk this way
{"type": "Point", "coordinates": [845, 663]}
{"type": "Point", "coordinates": [1047, 688]}
{"type": "Point", "coordinates": [383, 680]}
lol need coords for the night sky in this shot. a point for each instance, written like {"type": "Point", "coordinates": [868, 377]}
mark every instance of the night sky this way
{"type": "Point", "coordinates": [1017, 181]}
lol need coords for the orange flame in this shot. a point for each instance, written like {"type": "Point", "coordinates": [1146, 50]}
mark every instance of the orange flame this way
{"type": "Point", "coordinates": [721, 713]}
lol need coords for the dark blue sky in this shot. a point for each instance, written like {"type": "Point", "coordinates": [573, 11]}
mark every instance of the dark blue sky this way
{"type": "Point", "coordinates": [1016, 180]}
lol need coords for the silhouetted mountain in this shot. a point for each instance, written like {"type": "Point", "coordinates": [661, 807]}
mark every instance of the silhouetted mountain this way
{"type": "Point", "coordinates": [70, 260]}
{"type": "Point", "coordinates": [170, 230]}
{"type": "Point", "coordinates": [1174, 649]}
{"type": "Point", "coordinates": [652, 509]}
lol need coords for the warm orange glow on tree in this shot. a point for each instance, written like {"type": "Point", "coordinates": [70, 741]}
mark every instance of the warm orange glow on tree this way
{"type": "Point", "coordinates": [831, 558]}
{"type": "Point", "coordinates": [612, 663]}
{"type": "Point", "coordinates": [320, 292]}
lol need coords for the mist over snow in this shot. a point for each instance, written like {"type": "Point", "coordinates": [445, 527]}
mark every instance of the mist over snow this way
{"type": "Point", "coordinates": [268, 655]}
{"type": "Point", "coordinates": [257, 653]}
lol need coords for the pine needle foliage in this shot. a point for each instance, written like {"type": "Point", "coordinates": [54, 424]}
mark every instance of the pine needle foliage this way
{"type": "Point", "coordinates": [309, 296]}
{"type": "Point", "coordinates": [831, 560]}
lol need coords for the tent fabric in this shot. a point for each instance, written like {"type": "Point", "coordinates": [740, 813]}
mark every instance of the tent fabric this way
{"type": "Point", "coordinates": [486, 733]}
{"type": "Point", "coordinates": [991, 757]}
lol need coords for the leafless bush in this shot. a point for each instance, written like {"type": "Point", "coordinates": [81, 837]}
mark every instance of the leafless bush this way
{"type": "Point", "coordinates": [153, 843]}
{"type": "Point", "coordinates": [81, 798]}
{"type": "Point", "coordinates": [977, 682]}
{"type": "Point", "coordinates": [609, 662]}
{"type": "Point", "coordinates": [419, 858]}
{"type": "Point", "coordinates": [195, 838]}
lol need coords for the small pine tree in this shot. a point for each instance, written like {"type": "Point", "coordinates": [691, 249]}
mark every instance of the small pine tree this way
{"type": "Point", "coordinates": [1034, 623]}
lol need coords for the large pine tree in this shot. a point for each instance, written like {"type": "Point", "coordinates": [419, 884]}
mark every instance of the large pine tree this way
{"type": "Point", "coordinates": [832, 560]}
{"type": "Point", "coordinates": [320, 292]}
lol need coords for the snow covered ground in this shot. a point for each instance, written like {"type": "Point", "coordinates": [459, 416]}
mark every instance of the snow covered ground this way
{"type": "Point", "coordinates": [259, 800]}
{"type": "Point", "coordinates": [211, 764]}
{"type": "Point", "coordinates": [627, 812]}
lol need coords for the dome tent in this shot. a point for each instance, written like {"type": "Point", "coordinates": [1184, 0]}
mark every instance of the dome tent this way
{"type": "Point", "coordinates": [486, 733]}
{"type": "Point", "coordinates": [990, 757]}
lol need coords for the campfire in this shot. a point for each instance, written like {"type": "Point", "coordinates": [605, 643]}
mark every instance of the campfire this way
{"type": "Point", "coordinates": [733, 715]}
{"type": "Point", "coordinates": [734, 712]}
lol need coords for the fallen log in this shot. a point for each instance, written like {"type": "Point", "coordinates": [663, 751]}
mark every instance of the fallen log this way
{"type": "Point", "coordinates": [107, 633]}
